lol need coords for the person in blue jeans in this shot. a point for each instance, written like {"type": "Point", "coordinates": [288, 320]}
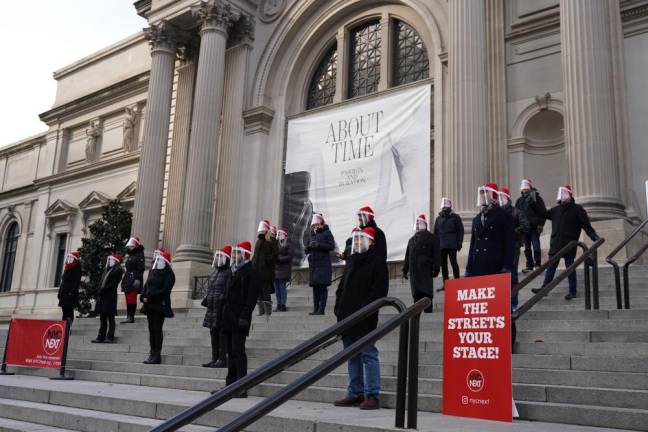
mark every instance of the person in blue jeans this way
{"type": "Point", "coordinates": [568, 219]}
{"type": "Point", "coordinates": [365, 280]}
{"type": "Point", "coordinates": [283, 269]}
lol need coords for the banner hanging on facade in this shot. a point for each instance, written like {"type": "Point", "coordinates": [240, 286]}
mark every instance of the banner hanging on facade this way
{"type": "Point", "coordinates": [477, 379]}
{"type": "Point", "coordinates": [36, 343]}
{"type": "Point", "coordinates": [374, 152]}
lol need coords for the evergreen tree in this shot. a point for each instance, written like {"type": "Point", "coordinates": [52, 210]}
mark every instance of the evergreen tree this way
{"type": "Point", "coordinates": [107, 235]}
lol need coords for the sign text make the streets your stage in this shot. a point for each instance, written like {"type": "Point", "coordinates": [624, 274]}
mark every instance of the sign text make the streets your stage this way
{"type": "Point", "coordinates": [354, 138]}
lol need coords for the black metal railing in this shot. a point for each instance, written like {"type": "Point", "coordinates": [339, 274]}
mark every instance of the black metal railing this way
{"type": "Point", "coordinates": [199, 289]}
{"type": "Point", "coordinates": [589, 257]}
{"type": "Point", "coordinates": [408, 322]}
{"type": "Point", "coordinates": [623, 300]}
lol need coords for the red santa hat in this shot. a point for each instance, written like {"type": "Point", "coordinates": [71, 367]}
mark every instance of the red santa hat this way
{"type": "Point", "coordinates": [76, 255]}
{"type": "Point", "coordinates": [505, 191]}
{"type": "Point", "coordinates": [133, 242]}
{"type": "Point", "coordinates": [318, 219]}
{"type": "Point", "coordinates": [283, 231]}
{"type": "Point", "coordinates": [492, 188]}
{"type": "Point", "coordinates": [226, 251]}
{"type": "Point", "coordinates": [526, 184]}
{"type": "Point", "coordinates": [370, 233]}
{"type": "Point", "coordinates": [245, 248]}
{"type": "Point", "coordinates": [166, 256]}
{"type": "Point", "coordinates": [367, 210]}
{"type": "Point", "coordinates": [117, 257]}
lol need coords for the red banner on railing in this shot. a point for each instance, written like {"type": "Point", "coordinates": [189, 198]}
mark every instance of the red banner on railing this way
{"type": "Point", "coordinates": [477, 371]}
{"type": "Point", "coordinates": [36, 343]}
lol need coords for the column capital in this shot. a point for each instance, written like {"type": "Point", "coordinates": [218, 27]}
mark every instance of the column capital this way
{"type": "Point", "coordinates": [163, 36]}
{"type": "Point", "coordinates": [243, 31]}
{"type": "Point", "coordinates": [214, 15]}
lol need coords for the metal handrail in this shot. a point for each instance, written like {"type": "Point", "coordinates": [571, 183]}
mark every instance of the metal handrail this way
{"type": "Point", "coordinates": [626, 275]}
{"type": "Point", "coordinates": [588, 254]}
{"type": "Point", "coordinates": [617, 276]}
{"type": "Point", "coordinates": [300, 352]}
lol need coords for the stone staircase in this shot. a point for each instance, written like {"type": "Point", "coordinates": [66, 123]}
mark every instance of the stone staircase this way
{"type": "Point", "coordinates": [570, 367]}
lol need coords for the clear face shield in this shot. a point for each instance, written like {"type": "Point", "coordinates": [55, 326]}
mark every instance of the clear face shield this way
{"type": "Point", "coordinates": [359, 243]}
{"type": "Point", "coordinates": [282, 237]}
{"type": "Point", "coordinates": [420, 225]}
{"type": "Point", "coordinates": [237, 257]}
{"type": "Point", "coordinates": [363, 219]}
{"type": "Point", "coordinates": [110, 262]}
{"type": "Point", "coordinates": [131, 243]}
{"type": "Point", "coordinates": [485, 196]}
{"type": "Point", "coordinates": [69, 259]}
{"type": "Point", "coordinates": [525, 186]}
{"type": "Point", "coordinates": [563, 195]}
{"type": "Point", "coordinates": [263, 228]}
{"type": "Point", "coordinates": [445, 203]}
{"type": "Point", "coordinates": [158, 262]}
{"type": "Point", "coordinates": [220, 259]}
{"type": "Point", "coordinates": [503, 198]}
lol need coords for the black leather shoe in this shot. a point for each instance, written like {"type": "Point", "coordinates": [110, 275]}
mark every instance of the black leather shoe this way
{"type": "Point", "coordinates": [570, 296]}
{"type": "Point", "coordinates": [219, 364]}
{"type": "Point", "coordinates": [535, 290]}
{"type": "Point", "coordinates": [97, 341]}
{"type": "Point", "coordinates": [209, 364]}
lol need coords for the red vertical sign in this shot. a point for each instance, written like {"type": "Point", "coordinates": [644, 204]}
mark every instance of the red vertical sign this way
{"type": "Point", "coordinates": [477, 371]}
{"type": "Point", "coordinates": [36, 343]}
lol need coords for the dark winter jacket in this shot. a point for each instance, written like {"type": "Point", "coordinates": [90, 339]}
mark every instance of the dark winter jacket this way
{"type": "Point", "coordinates": [242, 294]}
{"type": "Point", "coordinates": [107, 293]}
{"type": "Point", "coordinates": [265, 257]}
{"type": "Point", "coordinates": [157, 290]}
{"type": "Point", "coordinates": [319, 249]}
{"type": "Point", "coordinates": [422, 262]}
{"type": "Point", "coordinates": [134, 276]}
{"type": "Point", "coordinates": [380, 242]}
{"type": "Point", "coordinates": [567, 221]}
{"type": "Point", "coordinates": [68, 293]}
{"type": "Point", "coordinates": [450, 229]}
{"type": "Point", "coordinates": [283, 267]}
{"type": "Point", "coordinates": [492, 244]}
{"type": "Point", "coordinates": [214, 300]}
{"type": "Point", "coordinates": [520, 222]}
{"type": "Point", "coordinates": [533, 207]}
{"type": "Point", "coordinates": [365, 280]}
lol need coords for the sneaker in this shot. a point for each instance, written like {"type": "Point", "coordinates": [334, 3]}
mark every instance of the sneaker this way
{"type": "Point", "coordinates": [370, 403]}
{"type": "Point", "coordinates": [570, 296]}
{"type": "Point", "coordinates": [349, 401]}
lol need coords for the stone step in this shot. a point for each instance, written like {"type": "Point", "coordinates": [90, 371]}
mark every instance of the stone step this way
{"type": "Point", "coordinates": [8, 425]}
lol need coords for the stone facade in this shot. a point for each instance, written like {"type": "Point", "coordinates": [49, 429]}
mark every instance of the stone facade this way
{"type": "Point", "coordinates": [187, 119]}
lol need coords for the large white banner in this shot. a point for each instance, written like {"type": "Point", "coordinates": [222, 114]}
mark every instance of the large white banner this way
{"type": "Point", "coordinates": [374, 152]}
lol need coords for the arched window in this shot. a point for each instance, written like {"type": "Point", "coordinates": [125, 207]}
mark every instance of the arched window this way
{"type": "Point", "coordinates": [410, 56]}
{"type": "Point", "coordinates": [364, 61]}
{"type": "Point", "coordinates": [322, 86]}
{"type": "Point", "coordinates": [9, 257]}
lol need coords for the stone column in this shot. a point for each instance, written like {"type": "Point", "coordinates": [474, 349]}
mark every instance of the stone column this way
{"type": "Point", "coordinates": [215, 18]}
{"type": "Point", "coordinates": [150, 178]}
{"type": "Point", "coordinates": [467, 151]}
{"type": "Point", "coordinates": [590, 123]}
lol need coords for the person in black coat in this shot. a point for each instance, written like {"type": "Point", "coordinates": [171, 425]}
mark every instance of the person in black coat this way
{"type": "Point", "coordinates": [319, 249]}
{"type": "Point", "coordinates": [533, 206]}
{"type": "Point", "coordinates": [283, 269]}
{"type": "Point", "coordinates": [367, 218]}
{"type": "Point", "coordinates": [214, 301]}
{"type": "Point", "coordinates": [422, 261]}
{"type": "Point", "coordinates": [133, 280]}
{"type": "Point", "coordinates": [492, 240]}
{"type": "Point", "coordinates": [264, 260]}
{"type": "Point", "coordinates": [568, 219]}
{"type": "Point", "coordinates": [242, 294]}
{"type": "Point", "coordinates": [156, 297]}
{"type": "Point", "coordinates": [450, 230]}
{"type": "Point", "coordinates": [106, 305]}
{"type": "Point", "coordinates": [365, 280]}
{"type": "Point", "coordinates": [68, 293]}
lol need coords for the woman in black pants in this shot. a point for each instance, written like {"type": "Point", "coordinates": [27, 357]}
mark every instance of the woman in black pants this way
{"type": "Point", "coordinates": [156, 297]}
{"type": "Point", "coordinates": [449, 228]}
{"type": "Point", "coordinates": [68, 293]}
{"type": "Point", "coordinates": [214, 301]}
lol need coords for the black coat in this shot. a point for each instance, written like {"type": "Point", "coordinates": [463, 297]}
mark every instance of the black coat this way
{"type": "Point", "coordinates": [520, 222]}
{"type": "Point", "coordinates": [533, 207]}
{"type": "Point", "coordinates": [214, 300]}
{"type": "Point", "coordinates": [265, 257]}
{"type": "Point", "coordinates": [365, 280]}
{"type": "Point", "coordinates": [157, 290]}
{"type": "Point", "coordinates": [492, 244]}
{"type": "Point", "coordinates": [450, 229]}
{"type": "Point", "coordinates": [68, 293]}
{"type": "Point", "coordinates": [380, 242]}
{"type": "Point", "coordinates": [422, 262]}
{"type": "Point", "coordinates": [283, 267]}
{"type": "Point", "coordinates": [242, 294]}
{"type": "Point", "coordinates": [319, 256]}
{"type": "Point", "coordinates": [134, 276]}
{"type": "Point", "coordinates": [107, 293]}
{"type": "Point", "coordinates": [567, 221]}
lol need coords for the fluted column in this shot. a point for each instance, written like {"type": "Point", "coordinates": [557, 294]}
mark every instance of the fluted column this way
{"type": "Point", "coordinates": [179, 150]}
{"type": "Point", "coordinates": [150, 178]}
{"type": "Point", "coordinates": [468, 132]}
{"type": "Point", "coordinates": [215, 18]}
{"type": "Point", "coordinates": [590, 123]}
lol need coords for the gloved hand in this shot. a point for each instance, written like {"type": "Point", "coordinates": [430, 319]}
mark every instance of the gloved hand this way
{"type": "Point", "coordinates": [243, 323]}
{"type": "Point", "coordinates": [313, 245]}
{"type": "Point", "coordinates": [540, 228]}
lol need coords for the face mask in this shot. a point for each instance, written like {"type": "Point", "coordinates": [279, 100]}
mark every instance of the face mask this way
{"type": "Point", "coordinates": [446, 210]}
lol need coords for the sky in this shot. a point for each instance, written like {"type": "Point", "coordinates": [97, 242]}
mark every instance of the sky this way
{"type": "Point", "coordinates": [41, 36]}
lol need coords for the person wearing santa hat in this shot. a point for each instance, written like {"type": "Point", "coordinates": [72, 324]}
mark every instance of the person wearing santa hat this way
{"type": "Point", "coordinates": [106, 305]}
{"type": "Point", "coordinates": [217, 284]}
{"type": "Point", "coordinates": [450, 230]}
{"type": "Point", "coordinates": [568, 219]}
{"type": "Point", "coordinates": [422, 261]}
{"type": "Point", "coordinates": [319, 248]}
{"type": "Point", "coordinates": [367, 218]}
{"type": "Point", "coordinates": [264, 259]}
{"type": "Point", "coordinates": [492, 240]}
{"type": "Point", "coordinates": [283, 269]}
{"type": "Point", "coordinates": [240, 299]}
{"type": "Point", "coordinates": [131, 284]}
{"type": "Point", "coordinates": [156, 299]}
{"type": "Point", "coordinates": [68, 293]}
{"type": "Point", "coordinates": [533, 206]}
{"type": "Point", "coordinates": [365, 279]}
